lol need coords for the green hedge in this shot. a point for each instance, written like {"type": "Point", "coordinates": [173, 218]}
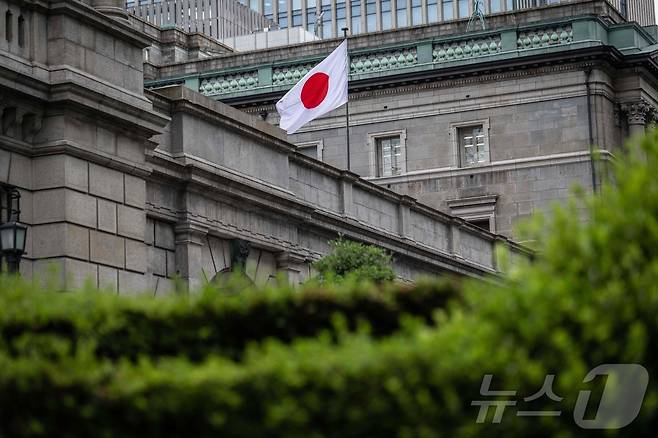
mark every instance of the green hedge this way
{"type": "Point", "coordinates": [213, 322]}
{"type": "Point", "coordinates": [589, 298]}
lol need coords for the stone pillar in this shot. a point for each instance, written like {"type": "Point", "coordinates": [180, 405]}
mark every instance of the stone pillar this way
{"type": "Point", "coordinates": [346, 186]}
{"type": "Point", "coordinates": [189, 240]}
{"type": "Point", "coordinates": [638, 114]}
{"type": "Point", "coordinates": [293, 267]}
{"type": "Point", "coordinates": [455, 237]}
{"type": "Point", "coordinates": [111, 8]}
{"type": "Point", "coordinates": [404, 216]}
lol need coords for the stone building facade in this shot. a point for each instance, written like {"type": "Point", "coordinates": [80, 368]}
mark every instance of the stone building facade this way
{"type": "Point", "coordinates": [128, 188]}
{"type": "Point", "coordinates": [490, 126]}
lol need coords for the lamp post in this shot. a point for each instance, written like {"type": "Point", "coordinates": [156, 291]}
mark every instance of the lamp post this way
{"type": "Point", "coordinates": [13, 234]}
{"type": "Point", "coordinates": [12, 241]}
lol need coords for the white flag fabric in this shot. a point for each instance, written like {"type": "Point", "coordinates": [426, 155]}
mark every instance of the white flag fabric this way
{"type": "Point", "coordinates": [321, 90]}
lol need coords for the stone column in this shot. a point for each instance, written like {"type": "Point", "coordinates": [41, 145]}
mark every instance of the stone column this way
{"type": "Point", "coordinates": [292, 266]}
{"type": "Point", "coordinates": [346, 188]}
{"type": "Point", "coordinates": [455, 237]}
{"type": "Point", "coordinates": [190, 239]}
{"type": "Point", "coordinates": [638, 115]}
{"type": "Point", "coordinates": [404, 216]}
{"type": "Point", "coordinates": [112, 8]}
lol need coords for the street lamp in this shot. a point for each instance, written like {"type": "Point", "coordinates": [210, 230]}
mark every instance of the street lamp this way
{"type": "Point", "coordinates": [12, 233]}
{"type": "Point", "coordinates": [12, 243]}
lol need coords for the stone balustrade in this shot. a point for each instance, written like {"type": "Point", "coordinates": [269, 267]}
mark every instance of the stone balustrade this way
{"type": "Point", "coordinates": [425, 55]}
{"type": "Point", "coordinates": [545, 37]}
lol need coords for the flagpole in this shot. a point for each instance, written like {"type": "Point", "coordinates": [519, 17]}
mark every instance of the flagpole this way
{"type": "Point", "coordinates": [347, 106]}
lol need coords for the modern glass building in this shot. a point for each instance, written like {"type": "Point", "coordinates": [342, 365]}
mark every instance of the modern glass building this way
{"type": "Point", "coordinates": [326, 18]}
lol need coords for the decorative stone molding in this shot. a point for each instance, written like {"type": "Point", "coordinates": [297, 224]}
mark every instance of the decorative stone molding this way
{"type": "Point", "coordinates": [463, 49]}
{"type": "Point", "coordinates": [544, 37]}
{"type": "Point", "coordinates": [638, 113]}
{"type": "Point", "coordinates": [290, 74]}
{"type": "Point", "coordinates": [475, 209]}
{"type": "Point", "coordinates": [383, 60]}
{"type": "Point", "coordinates": [229, 83]}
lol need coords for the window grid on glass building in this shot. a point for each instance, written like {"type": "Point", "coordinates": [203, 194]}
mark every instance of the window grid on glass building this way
{"type": "Point", "coordinates": [378, 15]}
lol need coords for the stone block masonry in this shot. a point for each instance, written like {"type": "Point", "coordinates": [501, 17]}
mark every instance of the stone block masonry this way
{"type": "Point", "coordinates": [128, 189]}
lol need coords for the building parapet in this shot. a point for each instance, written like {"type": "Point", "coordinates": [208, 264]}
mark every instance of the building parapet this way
{"type": "Point", "coordinates": [311, 192]}
{"type": "Point", "coordinates": [401, 61]}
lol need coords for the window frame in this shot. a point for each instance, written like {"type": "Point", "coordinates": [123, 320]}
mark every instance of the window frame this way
{"type": "Point", "coordinates": [372, 148]}
{"type": "Point", "coordinates": [456, 142]}
{"type": "Point", "coordinates": [318, 144]}
{"type": "Point", "coordinates": [476, 208]}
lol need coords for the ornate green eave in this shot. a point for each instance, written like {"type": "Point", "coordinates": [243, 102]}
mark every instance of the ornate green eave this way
{"type": "Point", "coordinates": [426, 58]}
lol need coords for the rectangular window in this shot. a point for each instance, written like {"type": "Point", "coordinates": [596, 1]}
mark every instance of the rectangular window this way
{"type": "Point", "coordinates": [473, 145]}
{"type": "Point", "coordinates": [310, 20]}
{"type": "Point", "coordinates": [341, 21]}
{"type": "Point", "coordinates": [463, 8]}
{"type": "Point", "coordinates": [432, 11]}
{"type": "Point", "coordinates": [311, 149]}
{"type": "Point", "coordinates": [416, 12]}
{"type": "Point", "coordinates": [401, 8]}
{"type": "Point", "coordinates": [371, 16]}
{"type": "Point", "coordinates": [496, 6]}
{"type": "Point", "coordinates": [389, 156]}
{"type": "Point", "coordinates": [386, 14]}
{"type": "Point", "coordinates": [510, 5]}
{"type": "Point", "coordinates": [356, 17]}
{"type": "Point", "coordinates": [483, 223]}
{"type": "Point", "coordinates": [447, 10]}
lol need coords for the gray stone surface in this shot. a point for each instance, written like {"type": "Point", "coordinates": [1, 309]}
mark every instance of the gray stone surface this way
{"type": "Point", "coordinates": [107, 249]}
{"type": "Point", "coordinates": [133, 187]}
{"type": "Point", "coordinates": [106, 183]}
{"type": "Point", "coordinates": [131, 222]}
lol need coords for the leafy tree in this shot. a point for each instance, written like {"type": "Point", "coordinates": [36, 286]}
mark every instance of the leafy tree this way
{"type": "Point", "coordinates": [357, 261]}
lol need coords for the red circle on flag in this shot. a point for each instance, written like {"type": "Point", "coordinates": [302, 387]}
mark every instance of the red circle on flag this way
{"type": "Point", "coordinates": [315, 90]}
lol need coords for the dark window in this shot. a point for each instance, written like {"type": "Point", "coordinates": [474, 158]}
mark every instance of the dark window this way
{"type": "Point", "coordinates": [9, 31]}
{"type": "Point", "coordinates": [21, 31]}
{"type": "Point", "coordinates": [480, 223]}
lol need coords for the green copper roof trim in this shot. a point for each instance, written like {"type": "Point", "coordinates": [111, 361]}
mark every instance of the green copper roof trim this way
{"type": "Point", "coordinates": [425, 55]}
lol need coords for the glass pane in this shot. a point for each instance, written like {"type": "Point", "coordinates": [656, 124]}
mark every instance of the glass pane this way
{"type": "Point", "coordinates": [7, 238]}
{"type": "Point", "coordinates": [496, 6]}
{"type": "Point", "coordinates": [386, 20]}
{"type": "Point", "coordinates": [469, 155]}
{"type": "Point", "coordinates": [447, 10]}
{"type": "Point", "coordinates": [20, 239]}
{"type": "Point", "coordinates": [463, 8]}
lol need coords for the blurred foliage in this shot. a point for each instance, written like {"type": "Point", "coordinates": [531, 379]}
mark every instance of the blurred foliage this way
{"type": "Point", "coordinates": [357, 261]}
{"type": "Point", "coordinates": [353, 359]}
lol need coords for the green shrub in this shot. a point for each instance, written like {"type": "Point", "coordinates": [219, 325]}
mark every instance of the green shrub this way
{"type": "Point", "coordinates": [590, 297]}
{"type": "Point", "coordinates": [355, 260]}
{"type": "Point", "coordinates": [210, 322]}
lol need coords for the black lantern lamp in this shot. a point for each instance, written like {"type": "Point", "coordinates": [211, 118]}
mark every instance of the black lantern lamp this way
{"type": "Point", "coordinates": [13, 234]}
{"type": "Point", "coordinates": [12, 241]}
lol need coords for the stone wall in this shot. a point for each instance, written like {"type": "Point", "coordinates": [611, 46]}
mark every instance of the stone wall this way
{"type": "Point", "coordinates": [128, 190]}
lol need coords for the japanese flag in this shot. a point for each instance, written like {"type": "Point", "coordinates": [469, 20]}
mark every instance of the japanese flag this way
{"type": "Point", "coordinates": [323, 89]}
